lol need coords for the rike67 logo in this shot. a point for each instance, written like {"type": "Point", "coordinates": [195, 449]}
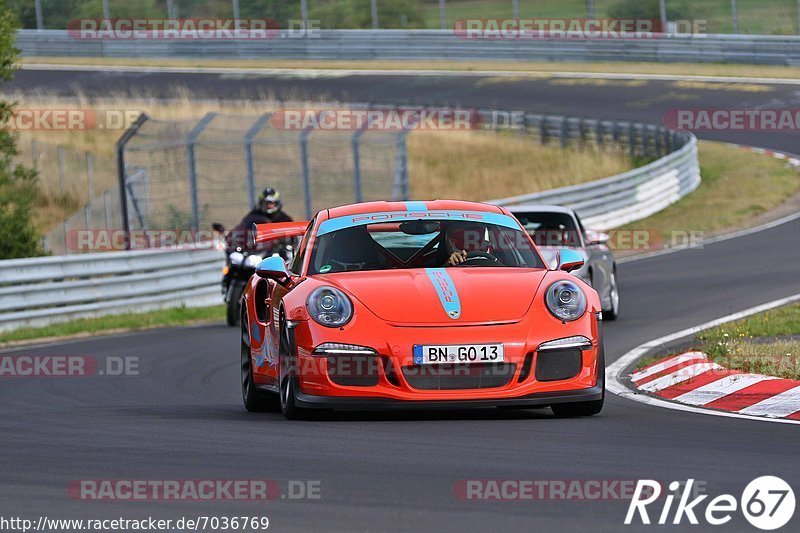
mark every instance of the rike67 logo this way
{"type": "Point", "coordinates": [767, 503]}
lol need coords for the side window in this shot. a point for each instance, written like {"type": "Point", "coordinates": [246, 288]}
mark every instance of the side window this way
{"type": "Point", "coordinates": [297, 262]}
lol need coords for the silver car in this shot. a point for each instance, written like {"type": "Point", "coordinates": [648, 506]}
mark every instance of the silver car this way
{"type": "Point", "coordinates": [555, 227]}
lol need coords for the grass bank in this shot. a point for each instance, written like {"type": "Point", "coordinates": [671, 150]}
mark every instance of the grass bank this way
{"type": "Point", "coordinates": [87, 327]}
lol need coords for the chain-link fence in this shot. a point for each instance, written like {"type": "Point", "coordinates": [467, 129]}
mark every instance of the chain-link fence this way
{"type": "Point", "coordinates": [190, 174]}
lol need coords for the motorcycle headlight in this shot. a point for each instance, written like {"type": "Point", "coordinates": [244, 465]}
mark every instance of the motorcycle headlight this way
{"type": "Point", "coordinates": [252, 261]}
{"type": "Point", "coordinates": [236, 258]}
{"type": "Point", "coordinates": [329, 307]}
{"type": "Point", "coordinates": [565, 300]}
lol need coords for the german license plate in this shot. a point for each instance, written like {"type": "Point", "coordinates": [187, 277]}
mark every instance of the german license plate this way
{"type": "Point", "coordinates": [430, 354]}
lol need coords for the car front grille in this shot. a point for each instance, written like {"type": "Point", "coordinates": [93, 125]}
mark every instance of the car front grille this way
{"type": "Point", "coordinates": [459, 376]}
{"type": "Point", "coordinates": [353, 370]}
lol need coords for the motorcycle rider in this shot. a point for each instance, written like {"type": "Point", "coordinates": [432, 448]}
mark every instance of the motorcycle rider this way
{"type": "Point", "coordinates": [268, 209]}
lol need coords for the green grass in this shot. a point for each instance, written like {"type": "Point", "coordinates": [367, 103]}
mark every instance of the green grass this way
{"type": "Point", "coordinates": [772, 17]}
{"type": "Point", "coordinates": [754, 344]}
{"type": "Point", "coordinates": [179, 316]}
{"type": "Point", "coordinates": [765, 343]}
{"type": "Point", "coordinates": [737, 186]}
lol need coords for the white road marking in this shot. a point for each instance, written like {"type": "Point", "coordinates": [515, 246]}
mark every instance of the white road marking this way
{"type": "Point", "coordinates": [614, 371]}
{"type": "Point", "coordinates": [712, 240]}
{"type": "Point", "coordinates": [679, 376]}
{"type": "Point", "coordinates": [720, 388]}
{"type": "Point", "coordinates": [777, 406]}
{"type": "Point", "coordinates": [668, 363]}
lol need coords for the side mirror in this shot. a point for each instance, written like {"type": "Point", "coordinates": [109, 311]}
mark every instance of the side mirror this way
{"type": "Point", "coordinates": [273, 268]}
{"type": "Point", "coordinates": [596, 238]}
{"type": "Point", "coordinates": [569, 260]}
{"type": "Point", "coordinates": [216, 226]}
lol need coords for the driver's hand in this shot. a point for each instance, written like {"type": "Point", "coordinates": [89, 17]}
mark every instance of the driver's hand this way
{"type": "Point", "coordinates": [456, 258]}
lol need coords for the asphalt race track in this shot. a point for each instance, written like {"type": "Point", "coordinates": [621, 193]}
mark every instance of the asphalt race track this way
{"type": "Point", "coordinates": [182, 417]}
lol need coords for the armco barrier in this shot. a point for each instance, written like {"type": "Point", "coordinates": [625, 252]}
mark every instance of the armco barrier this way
{"type": "Point", "coordinates": [429, 44]}
{"type": "Point", "coordinates": [41, 291]}
{"type": "Point", "coordinates": [634, 195]}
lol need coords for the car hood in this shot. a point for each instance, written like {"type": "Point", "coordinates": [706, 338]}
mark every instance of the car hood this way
{"type": "Point", "coordinates": [439, 296]}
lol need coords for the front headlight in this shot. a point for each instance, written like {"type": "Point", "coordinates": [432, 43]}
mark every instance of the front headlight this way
{"type": "Point", "coordinates": [252, 261]}
{"type": "Point", "coordinates": [236, 258]}
{"type": "Point", "coordinates": [565, 300]}
{"type": "Point", "coordinates": [330, 307]}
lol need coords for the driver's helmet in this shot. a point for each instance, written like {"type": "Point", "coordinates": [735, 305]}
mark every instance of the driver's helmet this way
{"type": "Point", "coordinates": [269, 201]}
{"type": "Point", "coordinates": [467, 236]}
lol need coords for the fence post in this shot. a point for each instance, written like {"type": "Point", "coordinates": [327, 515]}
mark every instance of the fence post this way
{"type": "Point", "coordinates": [401, 190]}
{"type": "Point", "coordinates": [543, 135]}
{"type": "Point", "coordinates": [734, 16]}
{"type": "Point", "coordinates": [66, 237]}
{"type": "Point", "coordinates": [356, 145]}
{"type": "Point", "coordinates": [107, 208]}
{"type": "Point", "coordinates": [373, 7]}
{"type": "Point", "coordinates": [191, 139]}
{"type": "Point", "coordinates": [248, 151]}
{"type": "Point", "coordinates": [90, 175]}
{"type": "Point", "coordinates": [564, 132]}
{"type": "Point", "coordinates": [61, 168]}
{"type": "Point", "coordinates": [598, 133]}
{"type": "Point", "coordinates": [35, 152]}
{"type": "Point", "coordinates": [39, 18]}
{"type": "Point", "coordinates": [87, 216]}
{"type": "Point", "coordinates": [632, 138]}
{"type": "Point", "coordinates": [123, 195]}
{"type": "Point", "coordinates": [662, 5]}
{"type": "Point", "coordinates": [306, 171]}
{"type": "Point", "coordinates": [443, 14]}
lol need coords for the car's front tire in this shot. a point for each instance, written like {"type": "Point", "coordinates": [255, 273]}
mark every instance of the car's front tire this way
{"type": "Point", "coordinates": [288, 377]}
{"type": "Point", "coordinates": [613, 298]}
{"type": "Point", "coordinates": [593, 407]}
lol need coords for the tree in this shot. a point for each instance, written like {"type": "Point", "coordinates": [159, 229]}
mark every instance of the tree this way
{"type": "Point", "coordinates": [18, 184]}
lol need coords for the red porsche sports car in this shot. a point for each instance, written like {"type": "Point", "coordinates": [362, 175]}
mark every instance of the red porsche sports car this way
{"type": "Point", "coordinates": [418, 304]}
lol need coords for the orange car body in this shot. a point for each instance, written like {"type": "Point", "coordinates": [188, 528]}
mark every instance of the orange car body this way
{"type": "Point", "coordinates": [395, 311]}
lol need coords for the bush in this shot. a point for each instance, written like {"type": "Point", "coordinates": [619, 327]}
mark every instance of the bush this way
{"type": "Point", "coordinates": [18, 184]}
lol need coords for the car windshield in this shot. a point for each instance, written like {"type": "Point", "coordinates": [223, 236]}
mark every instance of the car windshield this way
{"type": "Point", "coordinates": [422, 244]}
{"type": "Point", "coordinates": [550, 229]}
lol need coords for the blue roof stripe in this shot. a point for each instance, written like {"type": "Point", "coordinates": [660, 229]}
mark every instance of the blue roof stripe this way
{"type": "Point", "coordinates": [416, 206]}
{"type": "Point", "coordinates": [349, 221]}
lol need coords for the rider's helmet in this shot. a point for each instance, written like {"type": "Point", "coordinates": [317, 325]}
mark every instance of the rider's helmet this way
{"type": "Point", "coordinates": [269, 201]}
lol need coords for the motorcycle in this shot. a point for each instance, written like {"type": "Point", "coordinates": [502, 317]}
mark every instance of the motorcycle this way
{"type": "Point", "coordinates": [240, 265]}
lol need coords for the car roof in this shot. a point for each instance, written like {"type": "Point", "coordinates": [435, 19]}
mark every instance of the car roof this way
{"type": "Point", "coordinates": [431, 205]}
{"type": "Point", "coordinates": [543, 208]}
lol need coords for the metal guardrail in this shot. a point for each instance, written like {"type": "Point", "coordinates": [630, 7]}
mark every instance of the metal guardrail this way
{"type": "Point", "coordinates": [40, 291]}
{"type": "Point", "coordinates": [634, 195]}
{"type": "Point", "coordinates": [428, 44]}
